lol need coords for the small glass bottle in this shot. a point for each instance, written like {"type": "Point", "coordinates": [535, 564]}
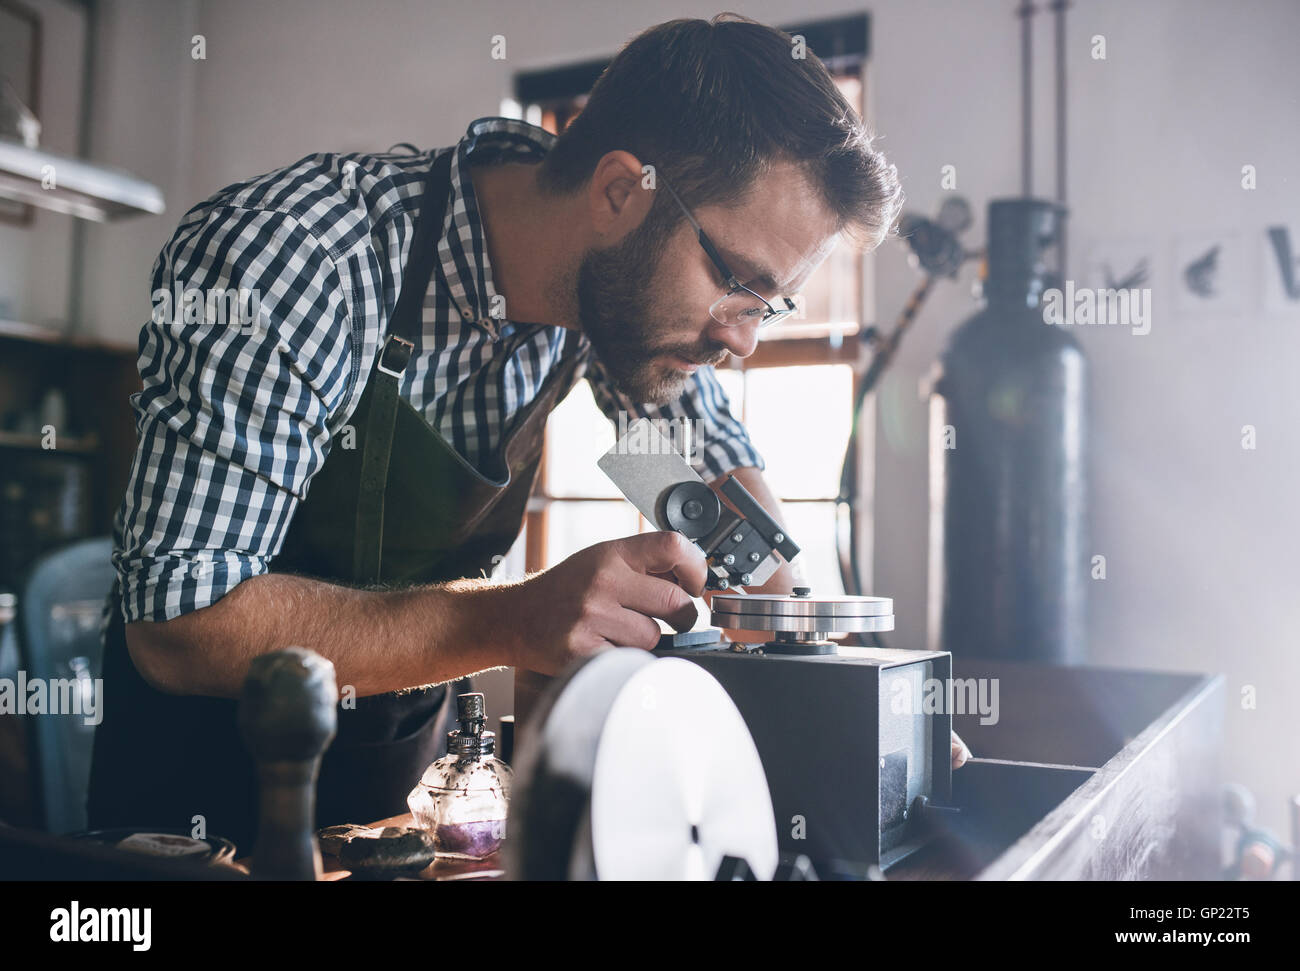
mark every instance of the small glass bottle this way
{"type": "Point", "coordinates": [462, 798]}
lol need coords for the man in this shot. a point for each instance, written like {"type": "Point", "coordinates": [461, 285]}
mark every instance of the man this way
{"type": "Point", "coordinates": [343, 474]}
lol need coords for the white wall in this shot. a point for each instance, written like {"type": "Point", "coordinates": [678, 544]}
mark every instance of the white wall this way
{"type": "Point", "coordinates": [143, 122]}
{"type": "Point", "coordinates": [1197, 532]}
{"type": "Point", "coordinates": [35, 280]}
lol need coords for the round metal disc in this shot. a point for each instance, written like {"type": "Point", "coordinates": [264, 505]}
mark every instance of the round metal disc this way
{"type": "Point", "coordinates": [776, 605]}
{"type": "Point", "coordinates": [638, 768]}
{"type": "Point", "coordinates": [792, 625]}
{"type": "Point", "coordinates": [786, 614]}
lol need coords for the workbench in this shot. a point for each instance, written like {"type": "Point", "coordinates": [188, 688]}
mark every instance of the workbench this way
{"type": "Point", "coordinates": [1088, 774]}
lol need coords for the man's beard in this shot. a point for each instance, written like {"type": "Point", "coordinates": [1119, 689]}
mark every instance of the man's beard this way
{"type": "Point", "coordinates": [616, 312]}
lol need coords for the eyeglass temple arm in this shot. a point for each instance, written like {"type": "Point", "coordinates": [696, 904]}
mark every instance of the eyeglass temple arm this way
{"type": "Point", "coordinates": [705, 242]}
{"type": "Point", "coordinates": [718, 261]}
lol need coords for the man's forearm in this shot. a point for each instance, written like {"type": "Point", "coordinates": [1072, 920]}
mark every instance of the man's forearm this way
{"type": "Point", "coordinates": [378, 640]}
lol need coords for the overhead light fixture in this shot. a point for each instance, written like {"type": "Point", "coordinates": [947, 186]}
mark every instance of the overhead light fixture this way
{"type": "Point", "coordinates": [72, 186]}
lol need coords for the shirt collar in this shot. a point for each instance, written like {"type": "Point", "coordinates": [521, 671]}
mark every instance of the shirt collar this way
{"type": "Point", "coordinates": [462, 247]}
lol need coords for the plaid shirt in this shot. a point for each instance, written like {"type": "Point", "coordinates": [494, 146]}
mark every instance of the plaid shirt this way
{"type": "Point", "coordinates": [234, 420]}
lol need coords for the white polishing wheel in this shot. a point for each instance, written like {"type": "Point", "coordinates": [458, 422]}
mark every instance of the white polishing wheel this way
{"type": "Point", "coordinates": [643, 769]}
{"type": "Point", "coordinates": [678, 782]}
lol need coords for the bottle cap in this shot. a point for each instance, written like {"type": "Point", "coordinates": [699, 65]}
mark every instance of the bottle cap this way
{"type": "Point", "coordinates": [470, 740]}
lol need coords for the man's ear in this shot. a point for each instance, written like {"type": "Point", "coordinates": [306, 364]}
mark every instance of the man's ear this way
{"type": "Point", "coordinates": [617, 196]}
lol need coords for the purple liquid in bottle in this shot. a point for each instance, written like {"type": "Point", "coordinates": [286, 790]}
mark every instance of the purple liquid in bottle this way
{"type": "Point", "coordinates": [472, 839]}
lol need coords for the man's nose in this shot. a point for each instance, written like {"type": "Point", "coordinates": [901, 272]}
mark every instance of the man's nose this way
{"type": "Point", "coordinates": [740, 339]}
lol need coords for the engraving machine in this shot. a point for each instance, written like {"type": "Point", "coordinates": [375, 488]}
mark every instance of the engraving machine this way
{"type": "Point", "coordinates": [854, 758]}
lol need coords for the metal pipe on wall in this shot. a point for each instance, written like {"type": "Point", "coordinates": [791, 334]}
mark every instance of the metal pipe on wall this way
{"type": "Point", "coordinates": [1026, 12]}
{"type": "Point", "coordinates": [1062, 250]}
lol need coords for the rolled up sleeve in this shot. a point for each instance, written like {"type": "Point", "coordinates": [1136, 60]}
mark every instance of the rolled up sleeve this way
{"type": "Point", "coordinates": [235, 415]}
{"type": "Point", "coordinates": [722, 443]}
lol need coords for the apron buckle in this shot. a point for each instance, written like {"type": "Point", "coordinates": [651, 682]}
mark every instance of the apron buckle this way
{"type": "Point", "coordinates": [395, 363]}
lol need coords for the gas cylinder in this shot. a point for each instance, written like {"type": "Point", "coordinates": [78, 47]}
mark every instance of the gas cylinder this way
{"type": "Point", "coordinates": [1008, 426]}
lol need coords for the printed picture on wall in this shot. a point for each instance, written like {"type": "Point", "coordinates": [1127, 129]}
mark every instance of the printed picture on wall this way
{"type": "Point", "coordinates": [1209, 273]}
{"type": "Point", "coordinates": [1121, 264]}
{"type": "Point", "coordinates": [1280, 262]}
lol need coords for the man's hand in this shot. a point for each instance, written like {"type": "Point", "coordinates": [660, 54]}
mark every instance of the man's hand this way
{"type": "Point", "coordinates": [960, 753]}
{"type": "Point", "coordinates": [606, 595]}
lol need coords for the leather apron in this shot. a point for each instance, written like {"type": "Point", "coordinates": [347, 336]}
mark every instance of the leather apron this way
{"type": "Point", "coordinates": [401, 508]}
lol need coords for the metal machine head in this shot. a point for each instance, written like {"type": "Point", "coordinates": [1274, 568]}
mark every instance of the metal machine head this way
{"type": "Point", "coordinates": [740, 547]}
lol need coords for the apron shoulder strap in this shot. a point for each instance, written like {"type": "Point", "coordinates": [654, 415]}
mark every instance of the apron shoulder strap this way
{"type": "Point", "coordinates": [403, 328]}
{"type": "Point", "coordinates": [405, 322]}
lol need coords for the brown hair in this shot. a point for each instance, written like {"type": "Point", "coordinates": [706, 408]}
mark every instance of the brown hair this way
{"type": "Point", "coordinates": [711, 104]}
